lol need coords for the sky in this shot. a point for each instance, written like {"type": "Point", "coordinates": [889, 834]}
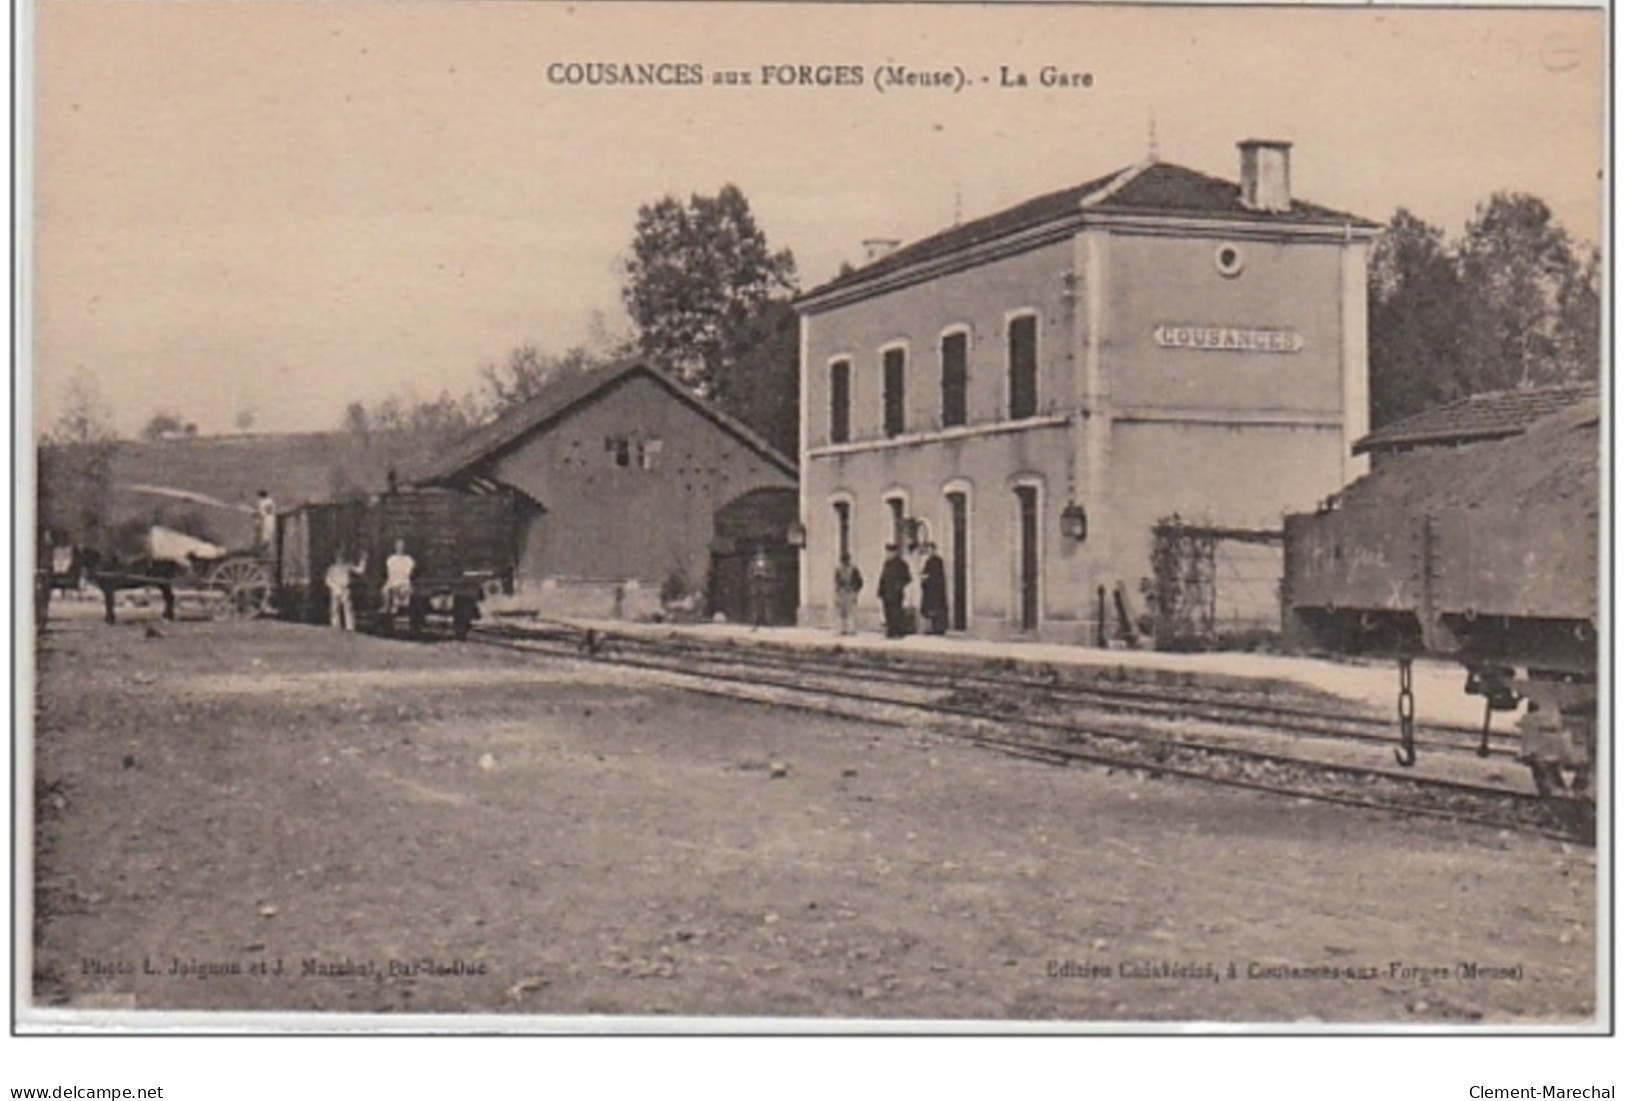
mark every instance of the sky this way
{"type": "Point", "coordinates": [266, 210]}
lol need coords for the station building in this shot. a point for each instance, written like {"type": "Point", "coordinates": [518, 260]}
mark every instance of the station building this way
{"type": "Point", "coordinates": [633, 493]}
{"type": "Point", "coordinates": [1035, 390]}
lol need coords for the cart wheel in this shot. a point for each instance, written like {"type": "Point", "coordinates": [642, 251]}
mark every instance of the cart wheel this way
{"type": "Point", "coordinates": [244, 586]}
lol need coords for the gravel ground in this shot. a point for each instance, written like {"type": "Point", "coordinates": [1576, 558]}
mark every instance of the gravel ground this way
{"type": "Point", "coordinates": [267, 817]}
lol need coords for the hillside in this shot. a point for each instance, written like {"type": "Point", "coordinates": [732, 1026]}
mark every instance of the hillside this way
{"type": "Point", "coordinates": [293, 468]}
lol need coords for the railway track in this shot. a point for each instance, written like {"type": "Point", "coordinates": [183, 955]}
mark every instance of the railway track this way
{"type": "Point", "coordinates": [1119, 727]}
{"type": "Point", "coordinates": [1162, 701]}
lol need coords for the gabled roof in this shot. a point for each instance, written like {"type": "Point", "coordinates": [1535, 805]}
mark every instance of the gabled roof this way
{"type": "Point", "coordinates": [1479, 417]}
{"type": "Point", "coordinates": [1557, 458]}
{"type": "Point", "coordinates": [557, 400]}
{"type": "Point", "coordinates": [1150, 188]}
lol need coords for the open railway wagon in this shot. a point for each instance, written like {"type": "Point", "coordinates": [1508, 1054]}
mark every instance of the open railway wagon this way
{"type": "Point", "coordinates": [1485, 553]}
{"type": "Point", "coordinates": [463, 545]}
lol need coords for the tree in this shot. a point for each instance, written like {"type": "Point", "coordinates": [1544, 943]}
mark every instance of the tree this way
{"type": "Point", "coordinates": [1580, 314]}
{"type": "Point", "coordinates": [698, 277]}
{"type": "Point", "coordinates": [759, 381]}
{"type": "Point", "coordinates": [357, 421]}
{"type": "Point", "coordinates": [166, 424]}
{"type": "Point", "coordinates": [397, 434]}
{"type": "Point", "coordinates": [445, 417]}
{"type": "Point", "coordinates": [1416, 317]}
{"type": "Point", "coordinates": [1517, 262]}
{"type": "Point", "coordinates": [528, 370]}
{"type": "Point", "coordinates": [1509, 305]}
{"type": "Point", "coordinates": [75, 472]}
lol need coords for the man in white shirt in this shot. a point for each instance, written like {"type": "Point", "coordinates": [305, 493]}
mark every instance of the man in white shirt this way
{"type": "Point", "coordinates": [265, 510]}
{"type": "Point", "coordinates": [398, 569]}
{"type": "Point", "coordinates": [341, 608]}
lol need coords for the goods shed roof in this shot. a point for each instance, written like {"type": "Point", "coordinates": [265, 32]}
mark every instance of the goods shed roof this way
{"type": "Point", "coordinates": [560, 398]}
{"type": "Point", "coordinates": [1555, 459]}
{"type": "Point", "coordinates": [1479, 417]}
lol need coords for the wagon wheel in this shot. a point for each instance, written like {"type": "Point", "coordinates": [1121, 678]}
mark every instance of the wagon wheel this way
{"type": "Point", "coordinates": [245, 586]}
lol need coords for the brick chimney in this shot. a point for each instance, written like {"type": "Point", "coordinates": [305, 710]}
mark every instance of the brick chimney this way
{"type": "Point", "coordinates": [1266, 175]}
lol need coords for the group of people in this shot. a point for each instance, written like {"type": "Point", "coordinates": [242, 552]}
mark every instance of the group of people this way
{"type": "Point", "coordinates": [343, 574]}
{"type": "Point", "coordinates": [895, 578]}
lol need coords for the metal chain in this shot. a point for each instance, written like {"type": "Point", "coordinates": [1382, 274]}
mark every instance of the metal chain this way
{"type": "Point", "coordinates": [1406, 754]}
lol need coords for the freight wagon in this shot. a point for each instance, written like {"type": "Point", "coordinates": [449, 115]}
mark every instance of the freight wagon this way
{"type": "Point", "coordinates": [1486, 554]}
{"type": "Point", "coordinates": [463, 544]}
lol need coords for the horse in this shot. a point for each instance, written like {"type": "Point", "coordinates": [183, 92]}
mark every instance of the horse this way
{"type": "Point", "coordinates": [113, 574]}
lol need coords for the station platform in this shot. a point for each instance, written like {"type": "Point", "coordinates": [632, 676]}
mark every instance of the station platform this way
{"type": "Point", "coordinates": [1367, 685]}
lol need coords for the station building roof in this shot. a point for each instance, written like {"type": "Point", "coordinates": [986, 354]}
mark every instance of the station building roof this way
{"type": "Point", "coordinates": [1151, 188]}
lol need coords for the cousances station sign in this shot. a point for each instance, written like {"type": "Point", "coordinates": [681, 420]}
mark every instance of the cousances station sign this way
{"type": "Point", "coordinates": [1223, 338]}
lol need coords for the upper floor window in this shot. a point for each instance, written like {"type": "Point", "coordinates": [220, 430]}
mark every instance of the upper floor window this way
{"type": "Point", "coordinates": [893, 362]}
{"type": "Point", "coordinates": [955, 377]}
{"type": "Point", "coordinates": [840, 401]}
{"type": "Point", "coordinates": [1022, 353]}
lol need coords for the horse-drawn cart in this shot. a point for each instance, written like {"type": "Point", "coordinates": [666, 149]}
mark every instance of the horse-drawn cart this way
{"type": "Point", "coordinates": [225, 584]}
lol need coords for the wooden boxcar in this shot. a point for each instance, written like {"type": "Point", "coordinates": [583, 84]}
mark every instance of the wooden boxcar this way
{"type": "Point", "coordinates": [1485, 553]}
{"type": "Point", "coordinates": [463, 546]}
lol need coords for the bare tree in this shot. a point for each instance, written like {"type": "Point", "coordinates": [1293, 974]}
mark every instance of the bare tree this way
{"type": "Point", "coordinates": [75, 472]}
{"type": "Point", "coordinates": [528, 370]}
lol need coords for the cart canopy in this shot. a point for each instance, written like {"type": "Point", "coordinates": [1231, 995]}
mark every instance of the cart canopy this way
{"type": "Point", "coordinates": [168, 545]}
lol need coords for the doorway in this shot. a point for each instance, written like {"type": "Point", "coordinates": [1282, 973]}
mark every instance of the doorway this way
{"type": "Point", "coordinates": [1027, 556]}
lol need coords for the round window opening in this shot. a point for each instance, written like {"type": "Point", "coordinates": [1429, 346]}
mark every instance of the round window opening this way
{"type": "Point", "coordinates": [1229, 261]}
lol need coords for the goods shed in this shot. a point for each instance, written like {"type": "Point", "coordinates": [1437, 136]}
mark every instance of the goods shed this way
{"type": "Point", "coordinates": [636, 498]}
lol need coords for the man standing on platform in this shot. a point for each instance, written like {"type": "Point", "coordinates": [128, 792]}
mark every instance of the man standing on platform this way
{"type": "Point", "coordinates": [848, 583]}
{"type": "Point", "coordinates": [934, 592]}
{"type": "Point", "coordinates": [759, 578]}
{"type": "Point", "coordinates": [894, 579]}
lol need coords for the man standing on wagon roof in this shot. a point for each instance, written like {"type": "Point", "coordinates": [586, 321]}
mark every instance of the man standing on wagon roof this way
{"type": "Point", "coordinates": [398, 569]}
{"type": "Point", "coordinates": [265, 510]}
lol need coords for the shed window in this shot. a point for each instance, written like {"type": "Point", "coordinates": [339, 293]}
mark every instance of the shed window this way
{"type": "Point", "coordinates": [892, 366]}
{"type": "Point", "coordinates": [840, 401]}
{"type": "Point", "coordinates": [955, 373]}
{"type": "Point", "coordinates": [1023, 358]}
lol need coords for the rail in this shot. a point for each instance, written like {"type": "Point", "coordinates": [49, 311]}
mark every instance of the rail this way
{"type": "Point", "coordinates": [1086, 726]}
